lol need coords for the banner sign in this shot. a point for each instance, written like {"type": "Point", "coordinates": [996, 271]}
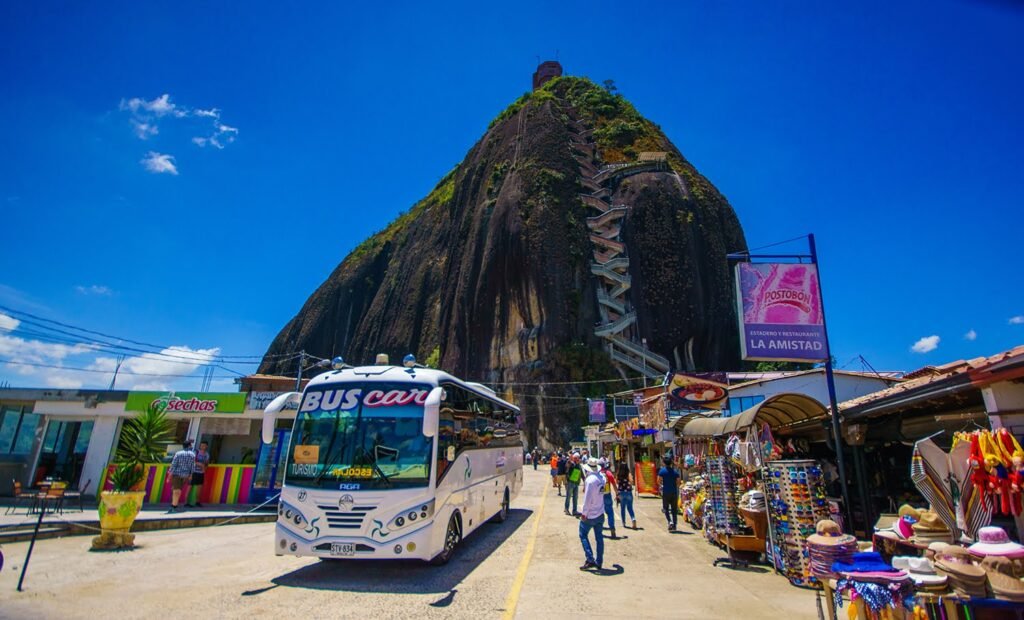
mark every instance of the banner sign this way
{"type": "Point", "coordinates": [187, 402]}
{"type": "Point", "coordinates": [780, 312]}
{"type": "Point", "coordinates": [597, 411]}
{"type": "Point", "coordinates": [705, 389]}
{"type": "Point", "coordinates": [260, 400]}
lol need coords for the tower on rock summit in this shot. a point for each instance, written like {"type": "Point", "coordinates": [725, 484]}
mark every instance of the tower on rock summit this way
{"type": "Point", "coordinates": [546, 71]}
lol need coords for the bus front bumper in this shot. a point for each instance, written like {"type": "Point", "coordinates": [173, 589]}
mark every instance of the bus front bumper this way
{"type": "Point", "coordinates": [412, 545]}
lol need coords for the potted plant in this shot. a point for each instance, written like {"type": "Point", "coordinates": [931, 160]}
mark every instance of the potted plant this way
{"type": "Point", "coordinates": [144, 440]}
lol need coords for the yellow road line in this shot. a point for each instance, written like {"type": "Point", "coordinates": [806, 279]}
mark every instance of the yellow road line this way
{"type": "Point", "coordinates": [517, 584]}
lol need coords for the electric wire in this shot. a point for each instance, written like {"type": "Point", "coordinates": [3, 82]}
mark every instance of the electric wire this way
{"type": "Point", "coordinates": [105, 335]}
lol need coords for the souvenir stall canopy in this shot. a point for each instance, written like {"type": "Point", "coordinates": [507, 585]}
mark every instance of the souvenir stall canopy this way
{"type": "Point", "coordinates": [779, 411]}
{"type": "Point", "coordinates": [789, 497]}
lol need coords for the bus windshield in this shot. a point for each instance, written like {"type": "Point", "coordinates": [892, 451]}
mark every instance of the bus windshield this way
{"type": "Point", "coordinates": [358, 436]}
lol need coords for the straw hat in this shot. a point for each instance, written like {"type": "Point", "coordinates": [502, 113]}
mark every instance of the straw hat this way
{"type": "Point", "coordinates": [994, 541]}
{"type": "Point", "coordinates": [930, 528]}
{"type": "Point", "coordinates": [958, 564]}
{"type": "Point", "coordinates": [828, 533]}
{"type": "Point", "coordinates": [1001, 579]}
{"type": "Point", "coordinates": [906, 510]}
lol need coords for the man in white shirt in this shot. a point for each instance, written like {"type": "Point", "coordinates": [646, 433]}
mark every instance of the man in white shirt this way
{"type": "Point", "coordinates": [592, 514]}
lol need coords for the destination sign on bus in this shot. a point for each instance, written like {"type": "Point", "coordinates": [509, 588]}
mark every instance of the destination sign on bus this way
{"type": "Point", "coordinates": [345, 400]}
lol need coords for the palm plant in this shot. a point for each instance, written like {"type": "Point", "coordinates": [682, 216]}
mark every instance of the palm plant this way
{"type": "Point", "coordinates": [144, 439]}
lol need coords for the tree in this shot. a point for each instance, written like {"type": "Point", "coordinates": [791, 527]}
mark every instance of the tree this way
{"type": "Point", "coordinates": [609, 85]}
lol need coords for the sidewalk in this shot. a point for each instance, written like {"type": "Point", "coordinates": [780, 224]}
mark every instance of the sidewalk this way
{"type": "Point", "coordinates": [19, 526]}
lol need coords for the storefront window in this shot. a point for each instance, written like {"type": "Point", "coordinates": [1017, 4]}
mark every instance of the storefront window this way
{"type": "Point", "coordinates": [17, 430]}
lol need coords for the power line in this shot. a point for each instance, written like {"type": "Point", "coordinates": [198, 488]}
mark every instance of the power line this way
{"type": "Point", "coordinates": [128, 340]}
{"type": "Point", "coordinates": [120, 372]}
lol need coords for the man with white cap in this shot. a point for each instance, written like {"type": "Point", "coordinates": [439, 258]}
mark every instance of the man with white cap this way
{"type": "Point", "coordinates": [592, 514]}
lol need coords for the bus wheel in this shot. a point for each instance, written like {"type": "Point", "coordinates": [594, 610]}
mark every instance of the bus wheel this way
{"type": "Point", "coordinates": [503, 513]}
{"type": "Point", "coordinates": [452, 538]}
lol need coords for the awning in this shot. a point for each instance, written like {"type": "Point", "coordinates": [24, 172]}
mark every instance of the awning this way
{"type": "Point", "coordinates": [776, 411]}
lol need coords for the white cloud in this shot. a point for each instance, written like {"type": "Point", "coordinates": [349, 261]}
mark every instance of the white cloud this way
{"type": "Point", "coordinates": [159, 163]}
{"type": "Point", "coordinates": [926, 344]}
{"type": "Point", "coordinates": [8, 323]}
{"type": "Point", "coordinates": [144, 130]}
{"type": "Point", "coordinates": [222, 135]}
{"type": "Point", "coordinates": [149, 371]}
{"type": "Point", "coordinates": [145, 114]}
{"type": "Point", "coordinates": [94, 289]}
{"type": "Point", "coordinates": [149, 367]}
{"type": "Point", "coordinates": [971, 335]}
{"type": "Point", "coordinates": [1017, 320]}
{"type": "Point", "coordinates": [159, 107]}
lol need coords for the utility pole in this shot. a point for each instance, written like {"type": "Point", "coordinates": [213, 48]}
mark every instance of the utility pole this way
{"type": "Point", "coordinates": [837, 434]}
{"type": "Point", "coordinates": [298, 379]}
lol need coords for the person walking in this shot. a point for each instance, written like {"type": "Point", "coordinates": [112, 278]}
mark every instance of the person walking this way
{"type": "Point", "coordinates": [625, 495]}
{"type": "Point", "coordinates": [592, 515]}
{"type": "Point", "coordinates": [609, 489]}
{"type": "Point", "coordinates": [573, 477]}
{"type": "Point", "coordinates": [554, 471]}
{"type": "Point", "coordinates": [563, 467]}
{"type": "Point", "coordinates": [199, 472]}
{"type": "Point", "coordinates": [182, 464]}
{"type": "Point", "coordinates": [536, 457]}
{"type": "Point", "coordinates": [668, 479]}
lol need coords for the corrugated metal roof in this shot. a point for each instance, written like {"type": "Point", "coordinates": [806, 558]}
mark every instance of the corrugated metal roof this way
{"type": "Point", "coordinates": [922, 383]}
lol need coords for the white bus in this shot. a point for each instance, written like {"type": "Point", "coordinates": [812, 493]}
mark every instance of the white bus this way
{"type": "Point", "coordinates": [393, 462]}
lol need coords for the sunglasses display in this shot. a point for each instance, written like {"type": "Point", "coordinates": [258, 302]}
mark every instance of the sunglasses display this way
{"type": "Point", "coordinates": [723, 496]}
{"type": "Point", "coordinates": [797, 502]}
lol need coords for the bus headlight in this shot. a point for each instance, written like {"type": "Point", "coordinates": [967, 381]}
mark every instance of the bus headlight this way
{"type": "Point", "coordinates": [407, 517]}
{"type": "Point", "coordinates": [293, 516]}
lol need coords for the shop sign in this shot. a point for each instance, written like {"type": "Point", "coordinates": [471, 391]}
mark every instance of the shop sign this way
{"type": "Point", "coordinates": [597, 410]}
{"type": "Point", "coordinates": [779, 308]}
{"type": "Point", "coordinates": [688, 391]}
{"type": "Point", "coordinates": [187, 402]}
{"type": "Point", "coordinates": [260, 400]}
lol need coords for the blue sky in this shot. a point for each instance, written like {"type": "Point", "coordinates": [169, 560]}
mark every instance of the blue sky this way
{"type": "Point", "coordinates": [892, 132]}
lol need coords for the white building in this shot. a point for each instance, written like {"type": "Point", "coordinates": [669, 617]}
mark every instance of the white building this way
{"type": "Point", "coordinates": [748, 389]}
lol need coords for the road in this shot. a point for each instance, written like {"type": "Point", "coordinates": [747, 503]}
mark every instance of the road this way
{"type": "Point", "coordinates": [524, 568]}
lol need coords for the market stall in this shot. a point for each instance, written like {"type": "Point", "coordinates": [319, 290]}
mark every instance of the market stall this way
{"type": "Point", "coordinates": [740, 456]}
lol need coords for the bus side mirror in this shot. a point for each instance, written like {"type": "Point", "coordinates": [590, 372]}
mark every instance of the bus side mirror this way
{"type": "Point", "coordinates": [431, 412]}
{"type": "Point", "coordinates": [270, 413]}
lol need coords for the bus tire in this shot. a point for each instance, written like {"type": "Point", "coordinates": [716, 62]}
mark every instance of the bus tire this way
{"type": "Point", "coordinates": [452, 538]}
{"type": "Point", "coordinates": [502, 514]}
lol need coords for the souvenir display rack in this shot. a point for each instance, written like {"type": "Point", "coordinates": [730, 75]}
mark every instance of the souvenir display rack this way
{"type": "Point", "coordinates": [796, 502]}
{"type": "Point", "coordinates": [723, 496]}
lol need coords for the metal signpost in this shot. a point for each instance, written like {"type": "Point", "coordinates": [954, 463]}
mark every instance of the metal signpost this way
{"type": "Point", "coordinates": [809, 336]}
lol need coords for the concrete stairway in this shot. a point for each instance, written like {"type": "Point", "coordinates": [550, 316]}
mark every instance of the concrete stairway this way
{"type": "Point", "coordinates": [610, 264]}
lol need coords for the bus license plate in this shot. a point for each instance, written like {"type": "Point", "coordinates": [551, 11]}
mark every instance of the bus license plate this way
{"type": "Point", "coordinates": [343, 549]}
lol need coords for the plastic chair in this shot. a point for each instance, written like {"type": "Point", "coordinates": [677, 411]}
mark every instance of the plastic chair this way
{"type": "Point", "coordinates": [73, 495]}
{"type": "Point", "coordinates": [21, 496]}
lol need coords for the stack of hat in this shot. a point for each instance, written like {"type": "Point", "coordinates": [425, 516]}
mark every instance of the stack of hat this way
{"type": "Point", "coordinates": [902, 528]}
{"type": "Point", "coordinates": [869, 566]}
{"type": "Point", "coordinates": [965, 577]}
{"type": "Point", "coordinates": [1002, 579]}
{"type": "Point", "coordinates": [994, 541]}
{"type": "Point", "coordinates": [921, 572]}
{"type": "Point", "coordinates": [930, 528]}
{"type": "Point", "coordinates": [829, 545]}
{"type": "Point", "coordinates": [754, 501]}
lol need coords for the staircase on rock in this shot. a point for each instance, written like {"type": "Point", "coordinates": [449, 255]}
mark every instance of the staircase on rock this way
{"type": "Point", "coordinates": [610, 266]}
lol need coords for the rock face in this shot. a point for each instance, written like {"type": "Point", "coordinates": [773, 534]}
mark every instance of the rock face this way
{"type": "Point", "coordinates": [571, 231]}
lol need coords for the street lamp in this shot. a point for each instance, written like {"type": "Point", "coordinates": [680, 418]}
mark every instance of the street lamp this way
{"type": "Point", "coordinates": [644, 342]}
